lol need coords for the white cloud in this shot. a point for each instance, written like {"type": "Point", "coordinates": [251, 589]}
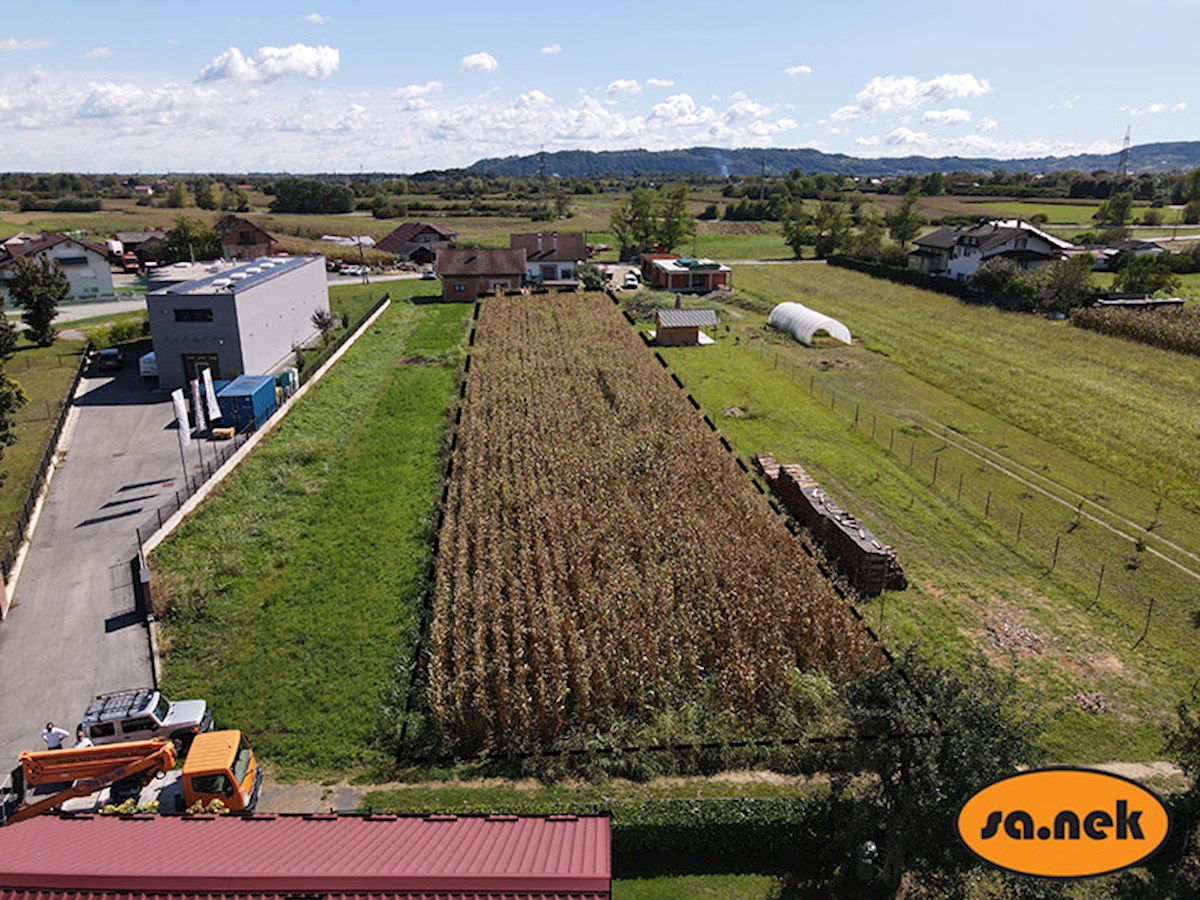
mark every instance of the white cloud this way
{"type": "Point", "coordinates": [11, 44]}
{"type": "Point", "coordinates": [660, 82]}
{"type": "Point", "coordinates": [1065, 103]}
{"type": "Point", "coordinates": [890, 93]}
{"type": "Point", "coordinates": [534, 99]}
{"type": "Point", "coordinates": [412, 91]}
{"type": "Point", "coordinates": [985, 125]}
{"type": "Point", "coordinates": [551, 49]}
{"type": "Point", "coordinates": [270, 63]}
{"type": "Point", "coordinates": [624, 86]}
{"type": "Point", "coordinates": [906, 137]}
{"type": "Point", "coordinates": [681, 109]}
{"type": "Point", "coordinates": [480, 62]}
{"type": "Point", "coordinates": [953, 116]}
{"type": "Point", "coordinates": [871, 141]}
{"type": "Point", "coordinates": [1155, 108]}
{"type": "Point", "coordinates": [164, 105]}
{"type": "Point", "coordinates": [98, 53]}
{"type": "Point", "coordinates": [315, 18]}
{"type": "Point", "coordinates": [801, 69]}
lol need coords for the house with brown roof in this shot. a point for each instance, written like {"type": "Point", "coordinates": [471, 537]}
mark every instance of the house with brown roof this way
{"type": "Point", "coordinates": [958, 253]}
{"type": "Point", "coordinates": [85, 264]}
{"type": "Point", "coordinates": [466, 274]}
{"type": "Point", "coordinates": [684, 274]}
{"type": "Point", "coordinates": [242, 239]}
{"type": "Point", "coordinates": [418, 242]}
{"type": "Point", "coordinates": [551, 258]}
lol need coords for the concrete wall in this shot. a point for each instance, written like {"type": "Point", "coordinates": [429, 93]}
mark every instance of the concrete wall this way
{"type": "Point", "coordinates": [276, 315]}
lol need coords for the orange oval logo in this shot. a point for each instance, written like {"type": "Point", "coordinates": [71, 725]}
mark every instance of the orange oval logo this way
{"type": "Point", "coordinates": [1063, 823]}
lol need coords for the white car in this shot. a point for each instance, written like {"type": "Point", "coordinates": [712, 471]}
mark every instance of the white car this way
{"type": "Point", "coordinates": [631, 281]}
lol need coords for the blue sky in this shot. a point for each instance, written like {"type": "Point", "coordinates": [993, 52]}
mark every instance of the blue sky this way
{"type": "Point", "coordinates": [403, 86]}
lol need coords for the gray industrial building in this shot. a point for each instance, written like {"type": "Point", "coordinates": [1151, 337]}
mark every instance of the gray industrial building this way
{"type": "Point", "coordinates": [246, 320]}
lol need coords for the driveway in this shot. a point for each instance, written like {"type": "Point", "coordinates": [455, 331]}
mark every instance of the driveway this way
{"type": "Point", "coordinates": [72, 631]}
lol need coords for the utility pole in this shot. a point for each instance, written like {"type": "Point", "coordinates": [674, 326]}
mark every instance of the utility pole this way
{"type": "Point", "coordinates": [1123, 163]}
{"type": "Point", "coordinates": [762, 183]}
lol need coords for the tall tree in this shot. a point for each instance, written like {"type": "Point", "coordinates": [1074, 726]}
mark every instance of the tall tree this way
{"type": "Point", "coordinates": [38, 287]}
{"type": "Point", "coordinates": [206, 194]}
{"type": "Point", "coordinates": [1146, 275]}
{"type": "Point", "coordinates": [832, 226]}
{"type": "Point", "coordinates": [177, 197]}
{"type": "Point", "coordinates": [189, 240]}
{"type": "Point", "coordinates": [643, 216]}
{"type": "Point", "coordinates": [1066, 283]}
{"type": "Point", "coordinates": [798, 229]}
{"type": "Point", "coordinates": [675, 222]}
{"type": "Point", "coordinates": [903, 223]}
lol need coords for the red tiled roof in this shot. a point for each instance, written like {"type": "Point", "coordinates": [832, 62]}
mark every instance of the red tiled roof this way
{"type": "Point", "coordinates": [406, 233]}
{"type": "Point", "coordinates": [481, 262]}
{"type": "Point", "coordinates": [566, 247]}
{"type": "Point", "coordinates": [450, 857]}
{"type": "Point", "coordinates": [15, 251]}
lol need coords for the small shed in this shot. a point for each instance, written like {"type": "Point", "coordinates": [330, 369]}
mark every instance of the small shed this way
{"type": "Point", "coordinates": [802, 323]}
{"type": "Point", "coordinates": [247, 401]}
{"type": "Point", "coordinates": [681, 327]}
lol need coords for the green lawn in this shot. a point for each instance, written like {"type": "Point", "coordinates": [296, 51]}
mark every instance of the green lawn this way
{"type": "Point", "coordinates": [45, 373]}
{"type": "Point", "coordinates": [1056, 213]}
{"type": "Point", "coordinates": [697, 887]}
{"type": "Point", "coordinates": [294, 593]}
{"type": "Point", "coordinates": [930, 362]}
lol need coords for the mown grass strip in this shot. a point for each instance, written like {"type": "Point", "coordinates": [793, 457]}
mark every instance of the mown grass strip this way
{"type": "Point", "coordinates": [296, 590]}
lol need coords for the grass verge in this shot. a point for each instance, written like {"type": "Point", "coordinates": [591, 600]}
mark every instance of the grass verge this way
{"type": "Point", "coordinates": [294, 593]}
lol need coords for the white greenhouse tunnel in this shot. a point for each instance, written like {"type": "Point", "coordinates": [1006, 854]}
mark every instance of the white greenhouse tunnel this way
{"type": "Point", "coordinates": [802, 323]}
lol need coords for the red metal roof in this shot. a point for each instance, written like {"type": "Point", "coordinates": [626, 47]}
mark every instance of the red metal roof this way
{"type": "Point", "coordinates": [459, 857]}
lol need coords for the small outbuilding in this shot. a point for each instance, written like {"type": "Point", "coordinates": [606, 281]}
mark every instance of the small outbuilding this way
{"type": "Point", "coordinates": [681, 327]}
{"type": "Point", "coordinates": [803, 323]}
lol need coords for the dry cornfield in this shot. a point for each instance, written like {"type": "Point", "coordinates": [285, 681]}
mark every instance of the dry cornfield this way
{"type": "Point", "coordinates": [602, 558]}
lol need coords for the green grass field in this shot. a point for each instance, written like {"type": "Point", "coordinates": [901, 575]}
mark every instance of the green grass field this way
{"type": "Point", "coordinates": [950, 380]}
{"type": "Point", "coordinates": [1055, 213]}
{"type": "Point", "coordinates": [45, 373]}
{"type": "Point", "coordinates": [295, 591]}
{"type": "Point", "coordinates": [697, 887]}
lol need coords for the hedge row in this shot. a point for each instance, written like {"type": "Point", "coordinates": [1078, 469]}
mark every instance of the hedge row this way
{"type": "Point", "coordinates": [907, 276]}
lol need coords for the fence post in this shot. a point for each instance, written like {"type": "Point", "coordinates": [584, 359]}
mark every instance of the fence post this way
{"type": "Point", "coordinates": [987, 506]}
{"type": "Point", "coordinates": [1099, 584]}
{"type": "Point", "coordinates": [1146, 627]}
{"type": "Point", "coordinates": [936, 459]}
{"type": "Point", "coordinates": [811, 382]}
{"type": "Point", "coordinates": [873, 423]}
{"type": "Point", "coordinates": [1020, 522]}
{"type": "Point", "coordinates": [832, 399]}
{"type": "Point", "coordinates": [912, 449]}
{"type": "Point", "coordinates": [958, 499]}
{"type": "Point", "coordinates": [892, 441]}
{"type": "Point", "coordinates": [856, 406]}
{"type": "Point", "coordinates": [1054, 559]}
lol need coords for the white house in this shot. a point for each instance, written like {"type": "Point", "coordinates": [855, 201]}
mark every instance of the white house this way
{"type": "Point", "coordinates": [958, 253]}
{"type": "Point", "coordinates": [551, 258]}
{"type": "Point", "coordinates": [84, 263]}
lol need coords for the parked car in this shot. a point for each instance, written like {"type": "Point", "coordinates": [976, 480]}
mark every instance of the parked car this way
{"type": "Point", "coordinates": [631, 282]}
{"type": "Point", "coordinates": [110, 360]}
{"type": "Point", "coordinates": [142, 714]}
{"type": "Point", "coordinates": [428, 275]}
{"type": "Point", "coordinates": [148, 365]}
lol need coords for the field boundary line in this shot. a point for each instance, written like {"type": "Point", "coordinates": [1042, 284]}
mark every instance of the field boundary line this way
{"type": "Point", "coordinates": [1056, 484]}
{"type": "Point", "coordinates": [1059, 500]}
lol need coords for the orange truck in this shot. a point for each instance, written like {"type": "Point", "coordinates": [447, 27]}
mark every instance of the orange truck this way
{"type": "Point", "coordinates": [220, 766]}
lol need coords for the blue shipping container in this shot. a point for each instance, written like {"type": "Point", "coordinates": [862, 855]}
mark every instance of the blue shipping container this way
{"type": "Point", "coordinates": [247, 401]}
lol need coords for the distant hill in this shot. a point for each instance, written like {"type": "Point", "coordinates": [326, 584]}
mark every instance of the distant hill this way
{"type": "Point", "coordinates": [1180, 156]}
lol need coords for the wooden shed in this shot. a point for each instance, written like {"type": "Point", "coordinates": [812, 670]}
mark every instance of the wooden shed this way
{"type": "Point", "coordinates": [681, 327]}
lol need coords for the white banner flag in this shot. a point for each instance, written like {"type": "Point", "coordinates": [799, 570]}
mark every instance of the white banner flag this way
{"type": "Point", "coordinates": [201, 424]}
{"type": "Point", "coordinates": [181, 417]}
{"type": "Point", "coordinates": [210, 395]}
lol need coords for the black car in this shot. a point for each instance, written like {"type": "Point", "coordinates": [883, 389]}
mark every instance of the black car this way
{"type": "Point", "coordinates": [110, 360]}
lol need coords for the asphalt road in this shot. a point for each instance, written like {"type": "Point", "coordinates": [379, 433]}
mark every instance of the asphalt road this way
{"type": "Point", "coordinates": [72, 632]}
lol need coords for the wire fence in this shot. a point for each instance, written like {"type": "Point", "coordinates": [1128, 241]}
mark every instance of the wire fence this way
{"type": "Point", "coordinates": [59, 413]}
{"type": "Point", "coordinates": [1138, 580]}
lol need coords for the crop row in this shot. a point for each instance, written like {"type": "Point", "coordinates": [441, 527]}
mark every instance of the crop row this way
{"type": "Point", "coordinates": [1172, 328]}
{"type": "Point", "coordinates": [602, 560]}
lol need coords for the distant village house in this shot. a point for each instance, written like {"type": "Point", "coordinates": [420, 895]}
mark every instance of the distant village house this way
{"type": "Point", "coordinates": [242, 239]}
{"type": "Point", "coordinates": [959, 252]}
{"type": "Point", "coordinates": [418, 242]}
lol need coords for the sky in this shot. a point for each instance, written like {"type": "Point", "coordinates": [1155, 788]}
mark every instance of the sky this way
{"type": "Point", "coordinates": [399, 86]}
